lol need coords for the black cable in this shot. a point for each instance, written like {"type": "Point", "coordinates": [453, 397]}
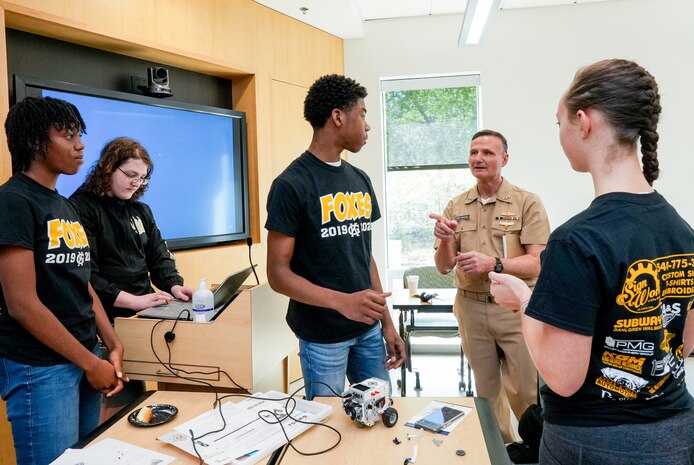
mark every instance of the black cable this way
{"type": "Point", "coordinates": [169, 366]}
{"type": "Point", "coordinates": [291, 398]}
{"type": "Point", "coordinates": [249, 242]}
{"type": "Point", "coordinates": [174, 371]}
{"type": "Point", "coordinates": [290, 442]}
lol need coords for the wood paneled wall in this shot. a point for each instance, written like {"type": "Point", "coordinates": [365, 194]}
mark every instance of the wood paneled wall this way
{"type": "Point", "coordinates": [257, 48]}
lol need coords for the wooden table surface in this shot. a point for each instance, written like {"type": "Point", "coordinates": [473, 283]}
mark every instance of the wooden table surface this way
{"type": "Point", "coordinates": [477, 434]}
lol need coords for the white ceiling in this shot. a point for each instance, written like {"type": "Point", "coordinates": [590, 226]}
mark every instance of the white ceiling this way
{"type": "Point", "coordinates": [345, 18]}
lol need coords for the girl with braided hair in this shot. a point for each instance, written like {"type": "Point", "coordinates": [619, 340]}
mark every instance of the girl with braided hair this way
{"type": "Point", "coordinates": [51, 374]}
{"type": "Point", "coordinates": [607, 324]}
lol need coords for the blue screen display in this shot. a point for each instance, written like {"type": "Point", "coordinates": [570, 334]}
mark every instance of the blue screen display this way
{"type": "Point", "coordinates": [197, 191]}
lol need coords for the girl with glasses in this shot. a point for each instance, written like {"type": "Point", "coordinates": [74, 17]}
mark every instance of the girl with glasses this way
{"type": "Point", "coordinates": [129, 254]}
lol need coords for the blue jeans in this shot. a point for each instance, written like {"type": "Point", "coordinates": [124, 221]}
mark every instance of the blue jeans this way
{"type": "Point", "coordinates": [358, 358]}
{"type": "Point", "coordinates": [49, 407]}
{"type": "Point", "coordinates": [664, 442]}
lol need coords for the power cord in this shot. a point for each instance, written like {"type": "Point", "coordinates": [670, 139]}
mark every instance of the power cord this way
{"type": "Point", "coordinates": [249, 242]}
{"type": "Point", "coordinates": [279, 420]}
{"type": "Point", "coordinates": [170, 336]}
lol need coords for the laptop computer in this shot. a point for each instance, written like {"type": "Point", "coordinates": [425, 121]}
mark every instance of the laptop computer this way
{"type": "Point", "coordinates": [180, 310]}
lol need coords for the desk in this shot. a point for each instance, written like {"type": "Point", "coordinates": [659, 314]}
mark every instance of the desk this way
{"type": "Point", "coordinates": [478, 434]}
{"type": "Point", "coordinates": [189, 404]}
{"type": "Point", "coordinates": [443, 303]}
{"type": "Point", "coordinates": [248, 341]}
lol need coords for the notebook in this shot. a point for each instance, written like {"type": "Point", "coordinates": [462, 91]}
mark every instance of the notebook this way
{"type": "Point", "coordinates": [180, 310]}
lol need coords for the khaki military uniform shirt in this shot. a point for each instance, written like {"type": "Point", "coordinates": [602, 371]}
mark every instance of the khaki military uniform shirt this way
{"type": "Point", "coordinates": [514, 213]}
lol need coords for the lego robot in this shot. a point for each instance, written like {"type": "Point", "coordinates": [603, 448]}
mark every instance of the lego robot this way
{"type": "Point", "coordinates": [369, 401]}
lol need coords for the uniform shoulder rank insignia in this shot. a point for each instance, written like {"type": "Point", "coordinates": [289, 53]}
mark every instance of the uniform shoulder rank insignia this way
{"type": "Point", "coordinates": [507, 219]}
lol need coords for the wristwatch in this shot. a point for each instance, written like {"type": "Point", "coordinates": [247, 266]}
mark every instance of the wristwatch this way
{"type": "Point", "coordinates": [499, 267]}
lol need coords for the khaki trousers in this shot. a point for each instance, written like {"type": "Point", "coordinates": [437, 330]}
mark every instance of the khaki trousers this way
{"type": "Point", "coordinates": [493, 343]}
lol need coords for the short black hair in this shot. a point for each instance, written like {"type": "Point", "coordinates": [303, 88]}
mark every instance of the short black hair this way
{"type": "Point", "coordinates": [28, 123]}
{"type": "Point", "coordinates": [328, 93]}
{"type": "Point", "coordinates": [498, 135]}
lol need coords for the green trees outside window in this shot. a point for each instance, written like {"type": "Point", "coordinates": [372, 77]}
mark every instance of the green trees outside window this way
{"type": "Point", "coordinates": [427, 139]}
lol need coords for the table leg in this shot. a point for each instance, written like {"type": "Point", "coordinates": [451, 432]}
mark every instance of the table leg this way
{"type": "Point", "coordinates": [403, 368]}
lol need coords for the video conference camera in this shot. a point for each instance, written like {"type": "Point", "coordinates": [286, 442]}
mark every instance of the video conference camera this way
{"type": "Point", "coordinates": [158, 82]}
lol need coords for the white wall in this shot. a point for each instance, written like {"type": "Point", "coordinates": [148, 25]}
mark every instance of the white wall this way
{"type": "Point", "coordinates": [528, 60]}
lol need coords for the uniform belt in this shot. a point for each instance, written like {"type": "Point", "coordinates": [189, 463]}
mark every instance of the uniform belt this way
{"type": "Point", "coordinates": [485, 297]}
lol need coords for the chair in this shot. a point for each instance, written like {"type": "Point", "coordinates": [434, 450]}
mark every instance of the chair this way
{"type": "Point", "coordinates": [433, 324]}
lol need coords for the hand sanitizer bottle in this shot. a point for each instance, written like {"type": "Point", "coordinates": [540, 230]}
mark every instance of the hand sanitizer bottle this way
{"type": "Point", "coordinates": [203, 302]}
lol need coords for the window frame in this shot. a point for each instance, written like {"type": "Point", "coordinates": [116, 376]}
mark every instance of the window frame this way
{"type": "Point", "coordinates": [423, 82]}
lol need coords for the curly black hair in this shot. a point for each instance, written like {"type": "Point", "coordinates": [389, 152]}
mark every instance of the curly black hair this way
{"type": "Point", "coordinates": [328, 93]}
{"type": "Point", "coordinates": [28, 123]}
{"type": "Point", "coordinates": [113, 155]}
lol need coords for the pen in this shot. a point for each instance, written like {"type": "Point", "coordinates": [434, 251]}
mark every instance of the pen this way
{"type": "Point", "coordinates": [248, 454]}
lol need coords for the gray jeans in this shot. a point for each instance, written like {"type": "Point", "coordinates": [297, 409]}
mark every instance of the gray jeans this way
{"type": "Point", "coordinates": [664, 442]}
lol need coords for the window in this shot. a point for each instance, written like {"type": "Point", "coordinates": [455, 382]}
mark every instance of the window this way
{"type": "Point", "coordinates": [428, 123]}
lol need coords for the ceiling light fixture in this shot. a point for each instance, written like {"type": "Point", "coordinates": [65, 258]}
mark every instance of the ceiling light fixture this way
{"type": "Point", "coordinates": [478, 18]}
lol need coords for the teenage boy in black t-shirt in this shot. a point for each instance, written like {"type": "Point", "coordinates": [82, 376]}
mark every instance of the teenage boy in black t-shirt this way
{"type": "Point", "coordinates": [320, 213]}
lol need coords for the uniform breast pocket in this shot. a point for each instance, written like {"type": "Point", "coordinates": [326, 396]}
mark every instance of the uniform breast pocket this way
{"type": "Point", "coordinates": [466, 235]}
{"type": "Point", "coordinates": [511, 232]}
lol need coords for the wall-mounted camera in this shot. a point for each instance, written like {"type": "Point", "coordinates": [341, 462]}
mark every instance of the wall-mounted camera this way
{"type": "Point", "coordinates": [158, 82]}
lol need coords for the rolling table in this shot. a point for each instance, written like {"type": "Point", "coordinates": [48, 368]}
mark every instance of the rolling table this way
{"type": "Point", "coordinates": [408, 307]}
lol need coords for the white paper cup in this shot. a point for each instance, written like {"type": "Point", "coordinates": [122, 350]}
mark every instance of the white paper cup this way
{"type": "Point", "coordinates": [412, 282]}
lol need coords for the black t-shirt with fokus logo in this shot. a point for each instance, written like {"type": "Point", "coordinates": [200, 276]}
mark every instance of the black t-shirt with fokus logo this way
{"type": "Point", "coordinates": [328, 210]}
{"type": "Point", "coordinates": [36, 218]}
{"type": "Point", "coordinates": [622, 271]}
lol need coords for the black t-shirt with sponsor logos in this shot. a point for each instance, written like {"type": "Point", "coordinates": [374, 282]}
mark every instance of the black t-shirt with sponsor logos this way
{"type": "Point", "coordinates": [37, 218]}
{"type": "Point", "coordinates": [328, 210]}
{"type": "Point", "coordinates": [622, 271]}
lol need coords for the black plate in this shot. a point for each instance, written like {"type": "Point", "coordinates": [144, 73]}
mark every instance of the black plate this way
{"type": "Point", "coordinates": [161, 413]}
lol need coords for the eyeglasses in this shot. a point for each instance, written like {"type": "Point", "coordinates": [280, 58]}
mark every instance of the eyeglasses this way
{"type": "Point", "coordinates": [143, 181]}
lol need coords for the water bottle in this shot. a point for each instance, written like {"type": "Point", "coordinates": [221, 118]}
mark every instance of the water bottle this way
{"type": "Point", "coordinates": [203, 302]}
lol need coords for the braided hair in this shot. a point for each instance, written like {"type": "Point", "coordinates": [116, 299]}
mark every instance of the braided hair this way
{"type": "Point", "coordinates": [628, 96]}
{"type": "Point", "coordinates": [328, 93]}
{"type": "Point", "coordinates": [28, 123]}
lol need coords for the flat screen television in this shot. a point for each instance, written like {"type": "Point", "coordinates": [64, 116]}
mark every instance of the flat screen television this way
{"type": "Point", "coordinates": [199, 187]}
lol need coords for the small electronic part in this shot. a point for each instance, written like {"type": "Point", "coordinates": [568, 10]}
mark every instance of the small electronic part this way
{"type": "Point", "coordinates": [369, 401]}
{"type": "Point", "coordinates": [397, 441]}
{"type": "Point", "coordinates": [426, 298]}
{"type": "Point", "coordinates": [460, 452]}
{"type": "Point", "coordinates": [439, 418]}
{"type": "Point", "coordinates": [438, 442]}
